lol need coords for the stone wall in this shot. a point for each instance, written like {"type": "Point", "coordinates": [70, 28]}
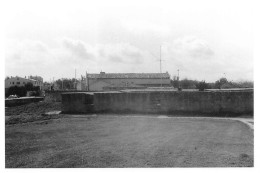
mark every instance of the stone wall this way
{"type": "Point", "coordinates": [217, 102]}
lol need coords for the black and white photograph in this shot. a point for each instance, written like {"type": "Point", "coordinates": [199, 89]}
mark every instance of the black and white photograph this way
{"type": "Point", "coordinates": [128, 84]}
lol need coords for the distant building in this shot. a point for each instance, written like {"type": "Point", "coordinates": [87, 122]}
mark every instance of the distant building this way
{"type": "Point", "coordinates": [20, 81]}
{"type": "Point", "coordinates": [81, 84]}
{"type": "Point", "coordinates": [39, 80]}
{"type": "Point", "coordinates": [55, 86]}
{"type": "Point", "coordinates": [46, 86]}
{"type": "Point", "coordinates": [118, 81]}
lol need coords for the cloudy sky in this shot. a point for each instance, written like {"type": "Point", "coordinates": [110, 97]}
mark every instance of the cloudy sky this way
{"type": "Point", "coordinates": [202, 38]}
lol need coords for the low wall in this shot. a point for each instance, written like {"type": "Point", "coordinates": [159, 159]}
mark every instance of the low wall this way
{"type": "Point", "coordinates": [77, 102]}
{"type": "Point", "coordinates": [55, 96]}
{"type": "Point", "coordinates": [52, 96]}
{"type": "Point", "coordinates": [218, 102]}
{"type": "Point", "coordinates": [22, 101]}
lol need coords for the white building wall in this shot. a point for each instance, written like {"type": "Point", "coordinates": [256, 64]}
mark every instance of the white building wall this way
{"type": "Point", "coordinates": [133, 81]}
{"type": "Point", "coordinates": [98, 84]}
{"type": "Point", "coordinates": [19, 81]}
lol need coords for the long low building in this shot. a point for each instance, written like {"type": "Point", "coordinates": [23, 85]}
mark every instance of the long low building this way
{"type": "Point", "coordinates": [118, 81]}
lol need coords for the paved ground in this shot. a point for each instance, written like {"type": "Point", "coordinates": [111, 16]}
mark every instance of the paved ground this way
{"type": "Point", "coordinates": [129, 141]}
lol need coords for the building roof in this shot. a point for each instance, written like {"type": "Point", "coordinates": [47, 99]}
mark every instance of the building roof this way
{"type": "Point", "coordinates": [12, 77]}
{"type": "Point", "coordinates": [104, 75]}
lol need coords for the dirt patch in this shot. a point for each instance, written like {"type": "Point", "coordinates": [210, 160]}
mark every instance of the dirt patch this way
{"type": "Point", "coordinates": [31, 112]}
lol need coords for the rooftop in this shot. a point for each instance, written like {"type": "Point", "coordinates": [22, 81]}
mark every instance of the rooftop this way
{"type": "Point", "coordinates": [130, 75]}
{"type": "Point", "coordinates": [20, 78]}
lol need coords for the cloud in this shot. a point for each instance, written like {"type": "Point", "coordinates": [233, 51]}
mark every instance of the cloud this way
{"type": "Point", "coordinates": [115, 58]}
{"type": "Point", "coordinates": [140, 27]}
{"type": "Point", "coordinates": [193, 56]}
{"type": "Point", "coordinates": [14, 57]}
{"type": "Point", "coordinates": [38, 46]}
{"type": "Point", "coordinates": [122, 53]}
{"type": "Point", "coordinates": [192, 47]}
{"type": "Point", "coordinates": [71, 52]}
{"type": "Point", "coordinates": [196, 59]}
{"type": "Point", "coordinates": [25, 52]}
{"type": "Point", "coordinates": [78, 48]}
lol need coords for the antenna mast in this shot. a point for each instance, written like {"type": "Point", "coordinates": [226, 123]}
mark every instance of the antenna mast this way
{"type": "Point", "coordinates": [75, 79]}
{"type": "Point", "coordinates": [161, 63]}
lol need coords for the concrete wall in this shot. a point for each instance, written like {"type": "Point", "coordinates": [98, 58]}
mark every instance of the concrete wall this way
{"type": "Point", "coordinates": [52, 96]}
{"type": "Point", "coordinates": [235, 102]}
{"type": "Point", "coordinates": [170, 102]}
{"type": "Point", "coordinates": [21, 101]}
{"type": "Point", "coordinates": [77, 102]}
{"type": "Point", "coordinates": [55, 96]}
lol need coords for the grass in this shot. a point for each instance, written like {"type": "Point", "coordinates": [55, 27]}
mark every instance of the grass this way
{"type": "Point", "coordinates": [110, 141]}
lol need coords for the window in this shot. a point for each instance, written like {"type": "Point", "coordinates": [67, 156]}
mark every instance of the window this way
{"type": "Point", "coordinates": [18, 83]}
{"type": "Point", "coordinates": [13, 83]}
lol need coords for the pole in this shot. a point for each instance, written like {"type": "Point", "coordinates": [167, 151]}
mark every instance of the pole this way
{"type": "Point", "coordinates": [178, 79]}
{"type": "Point", "coordinates": [161, 63]}
{"type": "Point", "coordinates": [86, 81]}
{"type": "Point", "coordinates": [75, 79]}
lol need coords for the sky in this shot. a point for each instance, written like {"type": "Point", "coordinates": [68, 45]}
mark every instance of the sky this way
{"type": "Point", "coordinates": [204, 39]}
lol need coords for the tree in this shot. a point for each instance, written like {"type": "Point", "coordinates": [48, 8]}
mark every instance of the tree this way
{"type": "Point", "coordinates": [66, 84]}
{"type": "Point", "coordinates": [223, 80]}
{"type": "Point", "coordinates": [29, 86]}
{"type": "Point", "coordinates": [202, 86]}
{"type": "Point", "coordinates": [220, 82]}
{"type": "Point", "coordinates": [246, 84]}
{"type": "Point", "coordinates": [188, 84]}
{"type": "Point", "coordinates": [15, 90]}
{"type": "Point", "coordinates": [22, 90]}
{"type": "Point", "coordinates": [175, 82]}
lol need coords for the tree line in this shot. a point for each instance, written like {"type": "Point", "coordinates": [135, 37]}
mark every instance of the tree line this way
{"type": "Point", "coordinates": [66, 84]}
{"type": "Point", "coordinates": [222, 83]}
{"type": "Point", "coordinates": [21, 91]}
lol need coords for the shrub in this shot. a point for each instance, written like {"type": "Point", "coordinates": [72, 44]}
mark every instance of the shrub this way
{"type": "Point", "coordinates": [202, 86]}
